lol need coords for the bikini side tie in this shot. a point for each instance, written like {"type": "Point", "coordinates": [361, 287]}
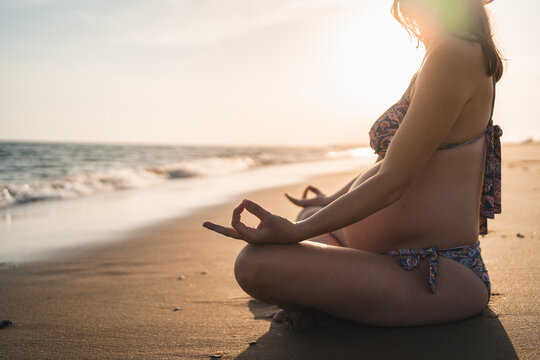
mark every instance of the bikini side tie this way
{"type": "Point", "coordinates": [411, 258]}
{"type": "Point", "coordinates": [468, 255]}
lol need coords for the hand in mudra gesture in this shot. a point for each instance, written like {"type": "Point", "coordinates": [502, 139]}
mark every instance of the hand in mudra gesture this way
{"type": "Point", "coordinates": [271, 229]}
{"type": "Point", "coordinates": [320, 200]}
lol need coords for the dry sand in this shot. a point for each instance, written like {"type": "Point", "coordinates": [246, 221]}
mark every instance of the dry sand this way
{"type": "Point", "coordinates": [117, 301]}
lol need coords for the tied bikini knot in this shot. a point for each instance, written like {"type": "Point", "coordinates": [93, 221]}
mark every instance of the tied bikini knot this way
{"type": "Point", "coordinates": [411, 259]}
{"type": "Point", "coordinates": [497, 131]}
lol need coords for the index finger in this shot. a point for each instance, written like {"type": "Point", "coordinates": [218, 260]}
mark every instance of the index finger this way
{"type": "Point", "coordinates": [230, 232]}
{"type": "Point", "coordinates": [313, 189]}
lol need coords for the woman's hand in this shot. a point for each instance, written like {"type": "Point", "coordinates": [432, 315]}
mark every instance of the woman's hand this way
{"type": "Point", "coordinates": [320, 200]}
{"type": "Point", "coordinates": [272, 228]}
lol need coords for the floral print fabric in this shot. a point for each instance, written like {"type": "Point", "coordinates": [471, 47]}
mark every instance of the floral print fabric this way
{"type": "Point", "coordinates": [490, 203]}
{"type": "Point", "coordinates": [468, 255]}
{"type": "Point", "coordinates": [385, 127]}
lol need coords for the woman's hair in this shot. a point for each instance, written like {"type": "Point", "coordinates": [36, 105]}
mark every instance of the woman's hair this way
{"type": "Point", "coordinates": [465, 19]}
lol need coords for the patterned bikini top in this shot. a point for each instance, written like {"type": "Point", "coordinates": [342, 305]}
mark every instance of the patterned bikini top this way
{"type": "Point", "coordinates": [386, 126]}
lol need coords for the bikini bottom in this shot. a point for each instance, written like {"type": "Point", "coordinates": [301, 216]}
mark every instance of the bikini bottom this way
{"type": "Point", "coordinates": [468, 255]}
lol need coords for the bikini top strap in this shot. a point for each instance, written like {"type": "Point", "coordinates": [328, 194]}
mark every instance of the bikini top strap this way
{"type": "Point", "coordinates": [493, 100]}
{"type": "Point", "coordinates": [497, 131]}
{"type": "Point", "coordinates": [494, 130]}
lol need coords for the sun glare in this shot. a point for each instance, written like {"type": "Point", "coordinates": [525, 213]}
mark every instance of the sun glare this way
{"type": "Point", "coordinates": [374, 56]}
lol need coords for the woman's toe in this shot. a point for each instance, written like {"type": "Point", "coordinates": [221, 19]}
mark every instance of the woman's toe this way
{"type": "Point", "coordinates": [278, 316]}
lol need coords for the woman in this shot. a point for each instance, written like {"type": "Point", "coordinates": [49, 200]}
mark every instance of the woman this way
{"type": "Point", "coordinates": [417, 208]}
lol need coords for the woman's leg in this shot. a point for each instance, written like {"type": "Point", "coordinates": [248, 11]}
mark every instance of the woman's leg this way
{"type": "Point", "coordinates": [361, 286]}
{"type": "Point", "coordinates": [322, 239]}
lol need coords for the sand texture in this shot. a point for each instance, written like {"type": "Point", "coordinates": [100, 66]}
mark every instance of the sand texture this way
{"type": "Point", "coordinates": [126, 301]}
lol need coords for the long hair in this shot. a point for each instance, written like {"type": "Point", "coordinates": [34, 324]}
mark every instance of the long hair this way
{"type": "Point", "coordinates": [466, 19]}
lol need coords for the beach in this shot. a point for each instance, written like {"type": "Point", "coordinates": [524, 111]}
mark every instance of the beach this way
{"type": "Point", "coordinates": [167, 291]}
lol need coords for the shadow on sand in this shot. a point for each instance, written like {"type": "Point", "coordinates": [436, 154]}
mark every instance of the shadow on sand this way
{"type": "Point", "coordinates": [480, 337]}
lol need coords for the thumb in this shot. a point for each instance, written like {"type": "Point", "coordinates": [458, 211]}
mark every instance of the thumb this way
{"type": "Point", "coordinates": [255, 209]}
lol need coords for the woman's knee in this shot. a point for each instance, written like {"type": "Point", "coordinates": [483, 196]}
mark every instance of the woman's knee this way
{"type": "Point", "coordinates": [249, 267]}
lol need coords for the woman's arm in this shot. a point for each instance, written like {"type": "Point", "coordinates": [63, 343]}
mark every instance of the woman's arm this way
{"type": "Point", "coordinates": [442, 89]}
{"type": "Point", "coordinates": [343, 190]}
{"type": "Point", "coordinates": [322, 200]}
{"type": "Point", "coordinates": [374, 194]}
{"type": "Point", "coordinates": [363, 177]}
{"type": "Point", "coordinates": [273, 228]}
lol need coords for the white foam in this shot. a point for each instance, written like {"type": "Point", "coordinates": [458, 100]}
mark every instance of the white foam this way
{"type": "Point", "coordinates": [37, 230]}
{"type": "Point", "coordinates": [88, 183]}
{"type": "Point", "coordinates": [360, 152]}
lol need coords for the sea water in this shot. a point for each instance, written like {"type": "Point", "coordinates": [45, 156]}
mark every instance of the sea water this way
{"type": "Point", "coordinates": [57, 196]}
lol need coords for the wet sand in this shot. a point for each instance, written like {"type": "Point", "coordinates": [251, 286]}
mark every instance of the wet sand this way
{"type": "Point", "coordinates": [118, 301]}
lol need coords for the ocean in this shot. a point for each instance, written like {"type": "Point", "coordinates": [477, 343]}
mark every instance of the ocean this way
{"type": "Point", "coordinates": [57, 196]}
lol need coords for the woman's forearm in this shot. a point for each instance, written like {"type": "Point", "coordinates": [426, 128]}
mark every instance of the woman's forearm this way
{"type": "Point", "coordinates": [374, 194]}
{"type": "Point", "coordinates": [343, 190]}
{"type": "Point", "coordinates": [362, 177]}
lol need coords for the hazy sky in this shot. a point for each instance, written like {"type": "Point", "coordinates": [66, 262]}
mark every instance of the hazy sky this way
{"type": "Point", "coordinates": [240, 72]}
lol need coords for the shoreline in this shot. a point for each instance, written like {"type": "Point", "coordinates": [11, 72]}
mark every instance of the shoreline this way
{"type": "Point", "coordinates": [149, 229]}
{"type": "Point", "coordinates": [118, 300]}
{"type": "Point", "coordinates": [39, 230]}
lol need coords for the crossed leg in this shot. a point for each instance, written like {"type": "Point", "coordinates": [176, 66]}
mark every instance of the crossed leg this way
{"type": "Point", "coordinates": [328, 239]}
{"type": "Point", "coordinates": [358, 285]}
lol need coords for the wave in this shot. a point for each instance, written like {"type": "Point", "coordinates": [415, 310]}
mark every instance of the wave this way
{"type": "Point", "coordinates": [359, 152]}
{"type": "Point", "coordinates": [86, 183]}
{"type": "Point", "coordinates": [70, 176]}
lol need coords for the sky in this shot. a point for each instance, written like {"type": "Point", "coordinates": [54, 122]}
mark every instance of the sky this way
{"type": "Point", "coordinates": [229, 72]}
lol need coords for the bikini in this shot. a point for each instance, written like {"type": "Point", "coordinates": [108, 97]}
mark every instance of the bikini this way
{"type": "Point", "coordinates": [381, 134]}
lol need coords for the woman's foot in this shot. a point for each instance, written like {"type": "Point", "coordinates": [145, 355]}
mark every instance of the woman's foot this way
{"type": "Point", "coordinates": [278, 316]}
{"type": "Point", "coordinates": [308, 319]}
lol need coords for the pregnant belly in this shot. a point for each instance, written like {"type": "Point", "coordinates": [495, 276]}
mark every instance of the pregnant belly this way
{"type": "Point", "coordinates": [383, 231]}
{"type": "Point", "coordinates": [425, 216]}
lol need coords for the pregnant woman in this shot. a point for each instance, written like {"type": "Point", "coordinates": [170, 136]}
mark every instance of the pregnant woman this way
{"type": "Point", "coordinates": [398, 245]}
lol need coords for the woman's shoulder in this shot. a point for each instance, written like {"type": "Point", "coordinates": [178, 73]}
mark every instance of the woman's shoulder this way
{"type": "Point", "coordinates": [454, 56]}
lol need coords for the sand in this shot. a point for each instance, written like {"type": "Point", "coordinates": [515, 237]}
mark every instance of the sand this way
{"type": "Point", "coordinates": [118, 301]}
